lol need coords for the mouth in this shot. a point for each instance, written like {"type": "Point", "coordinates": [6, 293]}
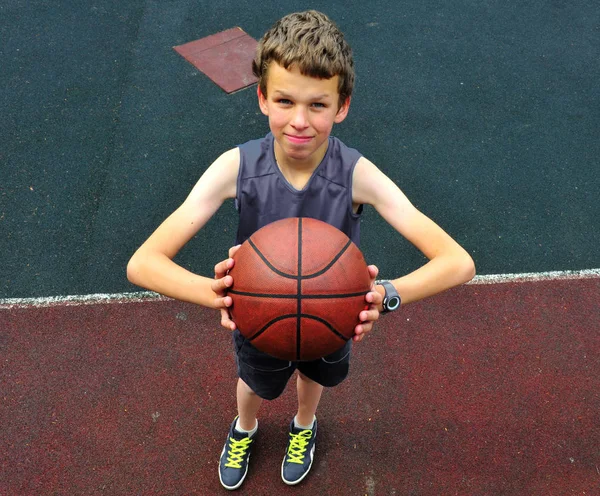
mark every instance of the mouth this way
{"type": "Point", "coordinates": [298, 140]}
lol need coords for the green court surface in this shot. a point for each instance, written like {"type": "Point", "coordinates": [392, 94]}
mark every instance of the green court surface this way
{"type": "Point", "coordinates": [485, 114]}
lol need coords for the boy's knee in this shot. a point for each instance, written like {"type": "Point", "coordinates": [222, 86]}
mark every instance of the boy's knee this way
{"type": "Point", "coordinates": [243, 388]}
{"type": "Point", "coordinates": [264, 390]}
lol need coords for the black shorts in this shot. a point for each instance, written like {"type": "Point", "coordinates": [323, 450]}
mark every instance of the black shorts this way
{"type": "Point", "coordinates": [267, 376]}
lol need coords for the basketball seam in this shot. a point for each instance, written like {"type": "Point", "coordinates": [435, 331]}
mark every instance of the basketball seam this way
{"type": "Point", "coordinates": [269, 324]}
{"type": "Point", "coordinates": [330, 264]}
{"type": "Point", "coordinates": [267, 263]}
{"type": "Point", "coordinates": [291, 276]}
{"type": "Point", "coordinates": [326, 323]}
{"type": "Point", "coordinates": [299, 292]}
{"type": "Point", "coordinates": [301, 315]}
{"type": "Point", "coordinates": [293, 296]}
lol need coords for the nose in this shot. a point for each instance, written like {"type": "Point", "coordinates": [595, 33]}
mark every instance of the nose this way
{"type": "Point", "coordinates": [300, 118]}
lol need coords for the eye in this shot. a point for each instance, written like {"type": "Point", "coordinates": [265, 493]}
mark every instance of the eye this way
{"type": "Point", "coordinates": [319, 105]}
{"type": "Point", "coordinates": [284, 101]}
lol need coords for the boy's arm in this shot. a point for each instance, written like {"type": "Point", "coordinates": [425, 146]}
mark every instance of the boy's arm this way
{"type": "Point", "coordinates": [449, 264]}
{"type": "Point", "coordinates": [152, 267]}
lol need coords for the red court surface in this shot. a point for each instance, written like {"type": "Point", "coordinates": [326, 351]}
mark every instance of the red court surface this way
{"type": "Point", "coordinates": [225, 57]}
{"type": "Point", "coordinates": [484, 390]}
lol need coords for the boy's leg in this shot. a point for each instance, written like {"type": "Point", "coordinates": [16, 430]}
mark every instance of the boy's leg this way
{"type": "Point", "coordinates": [329, 371]}
{"type": "Point", "coordinates": [235, 457]}
{"type": "Point", "coordinates": [303, 432]}
{"type": "Point", "coordinates": [248, 403]}
{"type": "Point", "coordinates": [309, 395]}
{"type": "Point", "coordinates": [260, 376]}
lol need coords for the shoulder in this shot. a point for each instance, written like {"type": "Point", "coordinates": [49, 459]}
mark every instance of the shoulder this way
{"type": "Point", "coordinates": [369, 183]}
{"type": "Point", "coordinates": [343, 151]}
{"type": "Point", "coordinates": [227, 164]}
{"type": "Point", "coordinates": [256, 156]}
{"type": "Point", "coordinates": [339, 162]}
{"type": "Point", "coordinates": [372, 187]}
{"type": "Point", "coordinates": [218, 183]}
{"type": "Point", "coordinates": [256, 143]}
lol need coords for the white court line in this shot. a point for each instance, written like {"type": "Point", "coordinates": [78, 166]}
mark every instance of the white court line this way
{"type": "Point", "coordinates": [536, 276]}
{"type": "Point", "coordinates": [75, 300]}
{"type": "Point", "coordinates": [93, 299]}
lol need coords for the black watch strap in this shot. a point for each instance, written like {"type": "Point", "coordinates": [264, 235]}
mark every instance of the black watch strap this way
{"type": "Point", "coordinates": [391, 300]}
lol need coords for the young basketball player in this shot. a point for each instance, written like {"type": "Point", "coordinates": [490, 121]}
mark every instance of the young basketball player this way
{"type": "Point", "coordinates": [306, 75]}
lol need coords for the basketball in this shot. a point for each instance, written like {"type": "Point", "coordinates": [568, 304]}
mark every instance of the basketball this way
{"type": "Point", "coordinates": [298, 287]}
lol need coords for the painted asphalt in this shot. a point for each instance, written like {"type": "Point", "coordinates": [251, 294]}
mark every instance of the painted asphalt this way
{"type": "Point", "coordinates": [489, 389]}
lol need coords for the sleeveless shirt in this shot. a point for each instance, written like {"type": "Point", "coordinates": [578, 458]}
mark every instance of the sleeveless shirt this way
{"type": "Point", "coordinates": [264, 195]}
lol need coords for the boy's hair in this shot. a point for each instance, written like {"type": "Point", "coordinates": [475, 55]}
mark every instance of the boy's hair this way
{"type": "Point", "coordinates": [313, 43]}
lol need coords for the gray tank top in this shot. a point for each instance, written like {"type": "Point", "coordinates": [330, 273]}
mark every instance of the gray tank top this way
{"type": "Point", "coordinates": [264, 195]}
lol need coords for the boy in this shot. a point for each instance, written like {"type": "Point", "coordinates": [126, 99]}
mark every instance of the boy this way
{"type": "Point", "coordinates": [306, 75]}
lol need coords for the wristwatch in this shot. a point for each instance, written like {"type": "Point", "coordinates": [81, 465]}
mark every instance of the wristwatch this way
{"type": "Point", "coordinates": [391, 300]}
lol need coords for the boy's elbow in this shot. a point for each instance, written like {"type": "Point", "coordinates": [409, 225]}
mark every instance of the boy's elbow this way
{"type": "Point", "coordinates": [467, 268]}
{"type": "Point", "coordinates": [133, 270]}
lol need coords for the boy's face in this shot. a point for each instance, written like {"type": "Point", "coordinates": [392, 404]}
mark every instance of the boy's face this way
{"type": "Point", "coordinates": [301, 111]}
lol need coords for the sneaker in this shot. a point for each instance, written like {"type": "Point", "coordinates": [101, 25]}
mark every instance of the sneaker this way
{"type": "Point", "coordinates": [233, 465]}
{"type": "Point", "coordinates": [299, 455]}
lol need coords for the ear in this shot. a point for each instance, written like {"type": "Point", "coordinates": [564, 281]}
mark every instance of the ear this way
{"type": "Point", "coordinates": [262, 101]}
{"type": "Point", "coordinates": [343, 111]}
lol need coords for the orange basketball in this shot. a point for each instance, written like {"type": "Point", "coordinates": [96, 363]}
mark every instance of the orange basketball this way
{"type": "Point", "coordinates": [298, 287]}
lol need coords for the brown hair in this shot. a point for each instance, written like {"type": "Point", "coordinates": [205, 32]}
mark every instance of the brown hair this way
{"type": "Point", "coordinates": [313, 43]}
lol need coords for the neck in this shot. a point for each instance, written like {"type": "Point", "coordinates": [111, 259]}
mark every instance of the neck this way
{"type": "Point", "coordinates": [297, 172]}
{"type": "Point", "coordinates": [286, 163]}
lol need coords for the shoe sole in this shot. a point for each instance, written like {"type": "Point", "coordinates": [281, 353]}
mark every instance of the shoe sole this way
{"type": "Point", "coordinates": [293, 483]}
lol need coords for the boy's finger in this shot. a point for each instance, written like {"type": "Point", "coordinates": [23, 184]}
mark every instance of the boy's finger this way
{"type": "Point", "coordinates": [374, 298]}
{"type": "Point", "coordinates": [364, 327]}
{"type": "Point", "coordinates": [219, 286]}
{"type": "Point", "coordinates": [222, 267]}
{"type": "Point", "coordinates": [223, 303]}
{"type": "Point", "coordinates": [226, 321]}
{"type": "Point", "coordinates": [367, 316]}
{"type": "Point", "coordinates": [233, 249]}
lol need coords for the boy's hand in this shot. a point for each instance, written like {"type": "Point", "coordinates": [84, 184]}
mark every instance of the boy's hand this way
{"type": "Point", "coordinates": [369, 316]}
{"type": "Point", "coordinates": [221, 283]}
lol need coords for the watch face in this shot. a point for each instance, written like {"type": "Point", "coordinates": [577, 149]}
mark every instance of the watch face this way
{"type": "Point", "coordinates": [392, 303]}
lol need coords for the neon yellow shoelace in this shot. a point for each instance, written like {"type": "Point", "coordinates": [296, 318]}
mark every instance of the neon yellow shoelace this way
{"type": "Point", "coordinates": [237, 450]}
{"type": "Point", "coordinates": [298, 446]}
